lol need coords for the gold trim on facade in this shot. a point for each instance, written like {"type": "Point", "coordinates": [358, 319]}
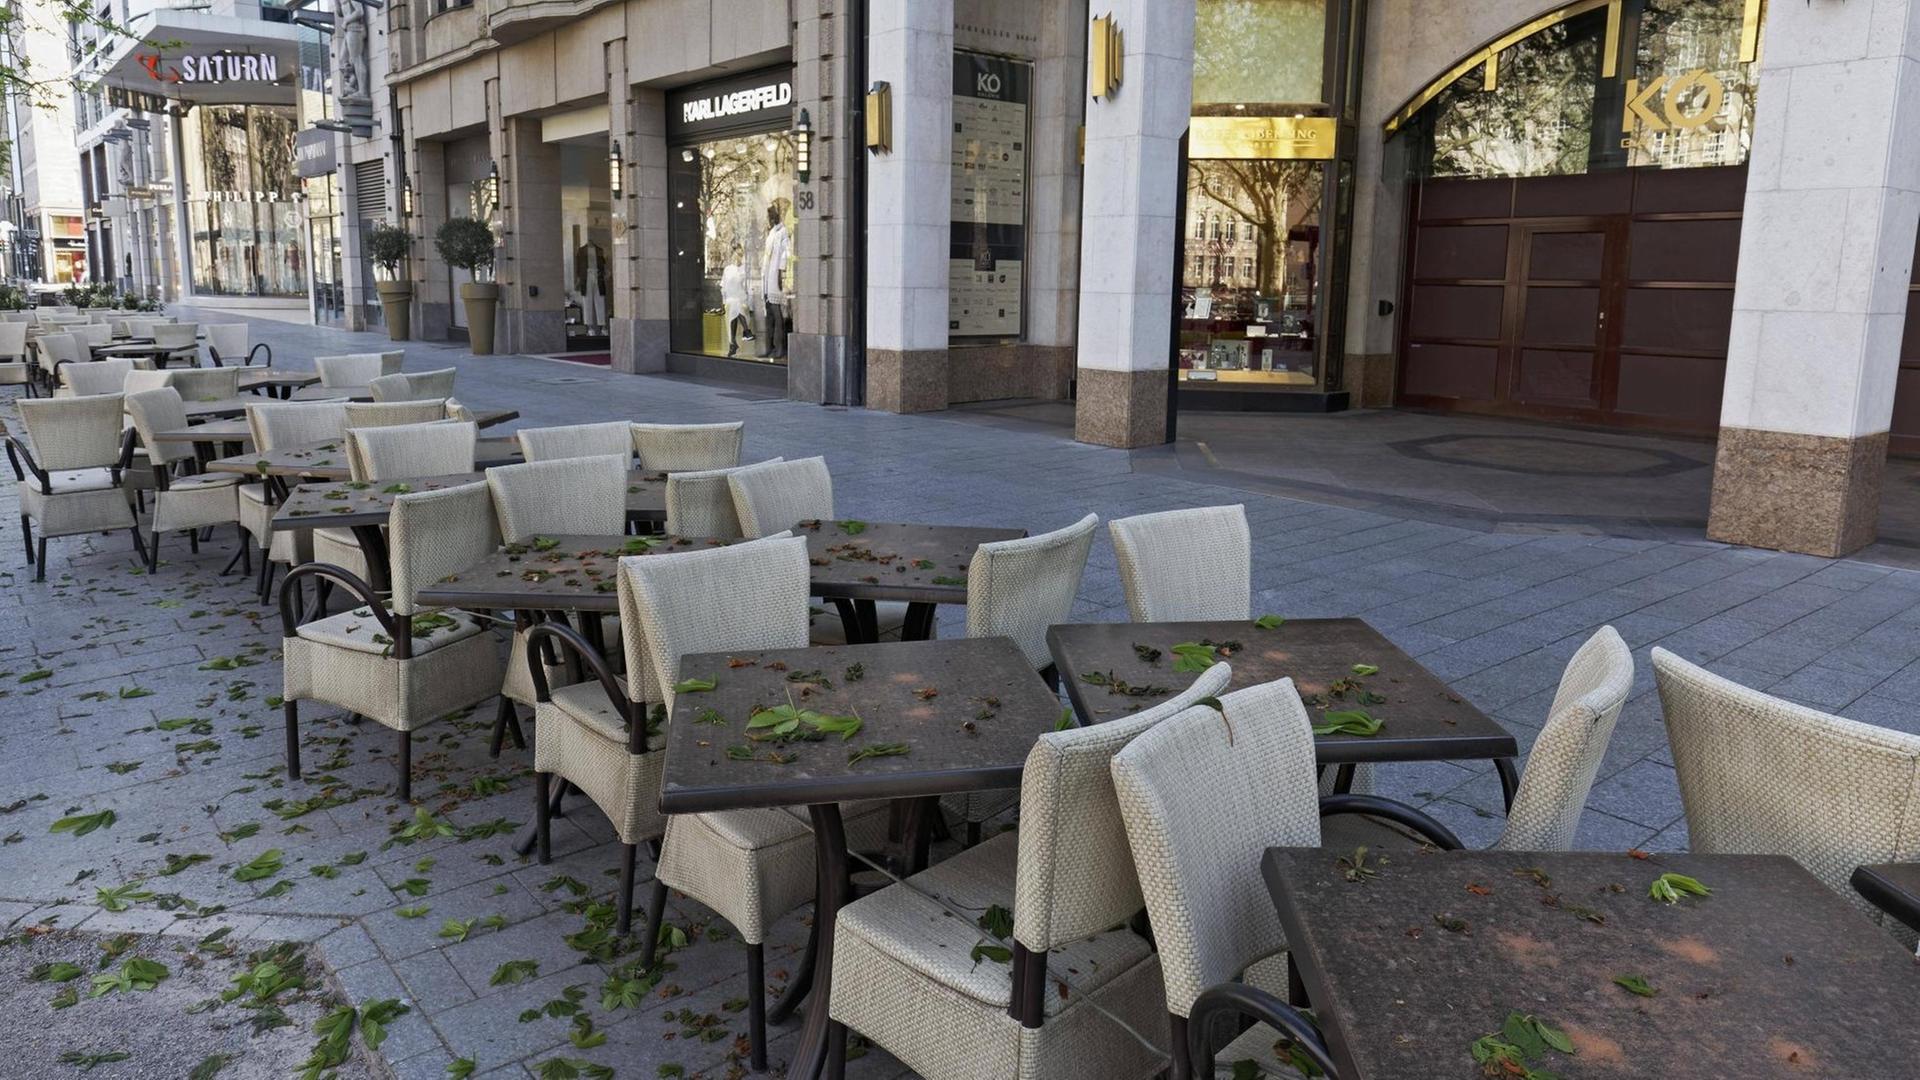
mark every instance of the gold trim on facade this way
{"type": "Point", "coordinates": [1750, 30]}
{"type": "Point", "coordinates": [1610, 52]}
{"type": "Point", "coordinates": [1272, 138]}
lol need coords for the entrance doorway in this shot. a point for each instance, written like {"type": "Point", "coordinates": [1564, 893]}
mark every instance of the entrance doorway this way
{"type": "Point", "coordinates": [1601, 298]}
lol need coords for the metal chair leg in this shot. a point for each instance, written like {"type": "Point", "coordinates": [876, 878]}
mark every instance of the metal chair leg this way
{"type": "Point", "coordinates": [153, 553]}
{"type": "Point", "coordinates": [406, 766]}
{"type": "Point", "coordinates": [656, 913]}
{"type": "Point", "coordinates": [40, 567]}
{"type": "Point", "coordinates": [542, 818]}
{"type": "Point", "coordinates": [624, 923]}
{"type": "Point", "coordinates": [292, 712]}
{"type": "Point", "coordinates": [26, 536]}
{"type": "Point", "coordinates": [757, 1007]}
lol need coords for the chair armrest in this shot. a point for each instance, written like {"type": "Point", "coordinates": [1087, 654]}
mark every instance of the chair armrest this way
{"type": "Point", "coordinates": [363, 592]}
{"type": "Point", "coordinates": [567, 639]}
{"type": "Point", "coordinates": [1229, 999]}
{"type": "Point", "coordinates": [268, 362]}
{"type": "Point", "coordinates": [1397, 812]}
{"type": "Point", "coordinates": [127, 440]}
{"type": "Point", "coordinates": [17, 448]}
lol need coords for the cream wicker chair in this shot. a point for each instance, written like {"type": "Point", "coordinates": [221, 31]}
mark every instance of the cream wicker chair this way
{"type": "Point", "coordinates": [1762, 776]}
{"type": "Point", "coordinates": [773, 496]}
{"type": "Point", "coordinates": [395, 662]}
{"type": "Point", "coordinates": [904, 973]}
{"type": "Point", "coordinates": [53, 351]}
{"type": "Point", "coordinates": [1185, 564]}
{"type": "Point", "coordinates": [390, 413]}
{"type": "Point", "coordinates": [414, 385]}
{"type": "Point", "coordinates": [1202, 796]}
{"type": "Point", "coordinates": [68, 461]}
{"type": "Point", "coordinates": [227, 344]}
{"type": "Point", "coordinates": [140, 381]}
{"type": "Point", "coordinates": [380, 454]}
{"type": "Point", "coordinates": [700, 503]}
{"type": "Point", "coordinates": [576, 440]}
{"type": "Point", "coordinates": [356, 369]}
{"type": "Point", "coordinates": [749, 866]}
{"type": "Point", "coordinates": [1016, 589]}
{"type": "Point", "coordinates": [206, 384]}
{"type": "Point", "coordinates": [180, 340]}
{"type": "Point", "coordinates": [186, 502]}
{"type": "Point", "coordinates": [14, 368]}
{"type": "Point", "coordinates": [575, 496]}
{"type": "Point", "coordinates": [93, 333]}
{"type": "Point", "coordinates": [142, 326]}
{"type": "Point", "coordinates": [275, 425]}
{"type": "Point", "coordinates": [674, 447]}
{"type": "Point", "coordinates": [1560, 769]}
{"type": "Point", "coordinates": [88, 378]}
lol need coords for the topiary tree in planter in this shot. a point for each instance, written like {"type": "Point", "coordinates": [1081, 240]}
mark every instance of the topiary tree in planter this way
{"type": "Point", "coordinates": [467, 244]}
{"type": "Point", "coordinates": [388, 247]}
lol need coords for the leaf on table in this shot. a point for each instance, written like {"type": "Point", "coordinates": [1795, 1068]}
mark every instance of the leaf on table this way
{"type": "Point", "coordinates": [853, 527]}
{"type": "Point", "coordinates": [1192, 656]}
{"type": "Point", "coordinates": [694, 686]}
{"type": "Point", "coordinates": [1365, 669]}
{"type": "Point", "coordinates": [1348, 722]}
{"type": "Point", "coordinates": [1269, 622]}
{"type": "Point", "coordinates": [1671, 887]}
{"type": "Point", "coordinates": [1635, 984]}
{"type": "Point", "coordinates": [877, 750]}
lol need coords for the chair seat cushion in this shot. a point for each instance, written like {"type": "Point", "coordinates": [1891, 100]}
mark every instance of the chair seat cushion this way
{"type": "Point", "coordinates": [586, 703]}
{"type": "Point", "coordinates": [360, 631]}
{"type": "Point", "coordinates": [753, 866]}
{"type": "Point", "coordinates": [202, 481]}
{"type": "Point", "coordinates": [69, 481]}
{"type": "Point", "coordinates": [922, 935]}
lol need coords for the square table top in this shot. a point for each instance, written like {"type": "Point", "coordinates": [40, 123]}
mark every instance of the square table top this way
{"type": "Point", "coordinates": [967, 710]}
{"type": "Point", "coordinates": [879, 566]}
{"type": "Point", "coordinates": [327, 460]}
{"type": "Point", "coordinates": [1423, 719]}
{"type": "Point", "coordinates": [329, 393]}
{"type": "Point", "coordinates": [552, 573]}
{"type": "Point", "coordinates": [1771, 975]}
{"type": "Point", "coordinates": [1893, 888]}
{"type": "Point", "coordinates": [873, 560]}
{"type": "Point", "coordinates": [351, 503]}
{"type": "Point", "coordinates": [251, 377]}
{"type": "Point", "coordinates": [233, 406]}
{"type": "Point", "coordinates": [235, 429]}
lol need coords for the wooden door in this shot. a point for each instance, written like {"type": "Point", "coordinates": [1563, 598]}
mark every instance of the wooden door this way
{"type": "Point", "coordinates": [1560, 348]}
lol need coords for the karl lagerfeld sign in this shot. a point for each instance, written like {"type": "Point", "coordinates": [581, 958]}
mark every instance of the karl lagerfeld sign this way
{"type": "Point", "coordinates": [760, 100]}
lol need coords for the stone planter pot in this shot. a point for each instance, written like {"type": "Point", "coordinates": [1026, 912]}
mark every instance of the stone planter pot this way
{"type": "Point", "coordinates": [396, 303]}
{"type": "Point", "coordinates": [481, 299]}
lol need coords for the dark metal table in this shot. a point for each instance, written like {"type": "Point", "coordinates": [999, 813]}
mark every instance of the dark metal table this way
{"type": "Point", "coordinates": [354, 503]}
{"type": "Point", "coordinates": [1773, 974]}
{"type": "Point", "coordinates": [921, 565]}
{"type": "Point", "coordinates": [162, 355]}
{"type": "Point", "coordinates": [1112, 669]}
{"type": "Point", "coordinates": [1893, 888]}
{"type": "Point", "coordinates": [233, 406]}
{"type": "Point", "coordinates": [967, 710]}
{"type": "Point", "coordinates": [328, 393]}
{"type": "Point", "coordinates": [236, 429]}
{"type": "Point", "coordinates": [328, 460]}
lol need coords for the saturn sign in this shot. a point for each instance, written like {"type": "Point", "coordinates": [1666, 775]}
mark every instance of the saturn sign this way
{"type": "Point", "coordinates": [213, 68]}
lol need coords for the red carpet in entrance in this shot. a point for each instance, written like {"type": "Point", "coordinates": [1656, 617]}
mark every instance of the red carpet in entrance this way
{"type": "Point", "coordinates": [597, 359]}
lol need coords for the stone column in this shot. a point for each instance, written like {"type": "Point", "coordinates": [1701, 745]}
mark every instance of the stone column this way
{"type": "Point", "coordinates": [533, 287]}
{"type": "Point", "coordinates": [433, 297]}
{"type": "Point", "coordinates": [1127, 229]}
{"type": "Point", "coordinates": [909, 208]}
{"type": "Point", "coordinates": [1826, 254]}
{"type": "Point", "coordinates": [642, 346]}
{"type": "Point", "coordinates": [822, 85]}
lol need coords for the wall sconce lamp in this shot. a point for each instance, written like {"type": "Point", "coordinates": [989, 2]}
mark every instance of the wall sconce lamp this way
{"type": "Point", "coordinates": [616, 169]}
{"type": "Point", "coordinates": [493, 187]}
{"type": "Point", "coordinates": [803, 147]}
{"type": "Point", "coordinates": [880, 118]}
{"type": "Point", "coordinates": [1105, 54]}
{"type": "Point", "coordinates": [406, 197]}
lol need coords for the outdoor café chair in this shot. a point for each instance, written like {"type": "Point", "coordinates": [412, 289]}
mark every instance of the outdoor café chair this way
{"type": "Point", "coordinates": [142, 327]}
{"type": "Point", "coordinates": [391, 660]}
{"type": "Point", "coordinates": [576, 440]}
{"type": "Point", "coordinates": [206, 384]}
{"type": "Point", "coordinates": [59, 350]}
{"type": "Point", "coordinates": [907, 972]}
{"type": "Point", "coordinates": [1202, 796]}
{"type": "Point", "coordinates": [1182, 565]}
{"type": "Point", "coordinates": [1016, 589]}
{"type": "Point", "coordinates": [771, 496]}
{"type": "Point", "coordinates": [699, 503]}
{"type": "Point", "coordinates": [93, 377]}
{"type": "Point", "coordinates": [183, 338]}
{"type": "Point", "coordinates": [1560, 769]}
{"type": "Point", "coordinates": [141, 380]}
{"type": "Point", "coordinates": [275, 425]}
{"type": "Point", "coordinates": [14, 368]}
{"type": "Point", "coordinates": [568, 497]}
{"type": "Point", "coordinates": [673, 447]}
{"type": "Point", "coordinates": [93, 333]}
{"type": "Point", "coordinates": [227, 344]}
{"type": "Point", "coordinates": [414, 385]}
{"type": "Point", "coordinates": [362, 414]}
{"type": "Point", "coordinates": [380, 454]}
{"type": "Point", "coordinates": [749, 866]}
{"type": "Point", "coordinates": [356, 369]}
{"type": "Point", "coordinates": [183, 502]}
{"type": "Point", "coordinates": [1763, 776]}
{"type": "Point", "coordinates": [67, 460]}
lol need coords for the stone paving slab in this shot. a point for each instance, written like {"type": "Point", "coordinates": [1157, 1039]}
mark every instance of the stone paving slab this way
{"type": "Point", "coordinates": [159, 705]}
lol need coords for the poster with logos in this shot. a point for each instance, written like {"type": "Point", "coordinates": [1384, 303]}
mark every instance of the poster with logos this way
{"type": "Point", "coordinates": [985, 264]}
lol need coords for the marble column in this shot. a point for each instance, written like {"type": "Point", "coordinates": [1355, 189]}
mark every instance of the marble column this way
{"type": "Point", "coordinates": [533, 286]}
{"type": "Point", "coordinates": [1127, 228]}
{"type": "Point", "coordinates": [909, 208]}
{"type": "Point", "coordinates": [1826, 254]}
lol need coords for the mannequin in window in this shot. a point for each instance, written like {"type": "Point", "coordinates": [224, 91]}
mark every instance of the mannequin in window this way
{"type": "Point", "coordinates": [773, 272]}
{"type": "Point", "coordinates": [590, 281]}
{"type": "Point", "coordinates": [733, 297]}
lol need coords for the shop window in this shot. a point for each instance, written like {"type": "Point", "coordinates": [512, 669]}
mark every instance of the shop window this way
{"type": "Point", "coordinates": [244, 202]}
{"type": "Point", "coordinates": [731, 235]}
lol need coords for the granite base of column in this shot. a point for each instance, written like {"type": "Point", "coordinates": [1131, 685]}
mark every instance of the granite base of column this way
{"type": "Point", "coordinates": [1125, 409]}
{"type": "Point", "coordinates": [1814, 494]}
{"type": "Point", "coordinates": [907, 380]}
{"type": "Point", "coordinates": [1369, 379]}
{"type": "Point", "coordinates": [638, 346]}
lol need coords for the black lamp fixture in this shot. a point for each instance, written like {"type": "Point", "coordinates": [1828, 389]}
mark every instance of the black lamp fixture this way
{"type": "Point", "coordinates": [803, 147]}
{"type": "Point", "coordinates": [493, 187]}
{"type": "Point", "coordinates": [616, 168]}
{"type": "Point", "coordinates": [406, 196]}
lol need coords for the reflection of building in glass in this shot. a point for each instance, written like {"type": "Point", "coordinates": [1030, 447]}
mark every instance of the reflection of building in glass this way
{"type": "Point", "coordinates": [244, 202]}
{"type": "Point", "coordinates": [742, 249]}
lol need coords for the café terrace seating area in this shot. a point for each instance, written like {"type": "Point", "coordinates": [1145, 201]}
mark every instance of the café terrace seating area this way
{"type": "Point", "coordinates": [1038, 848]}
